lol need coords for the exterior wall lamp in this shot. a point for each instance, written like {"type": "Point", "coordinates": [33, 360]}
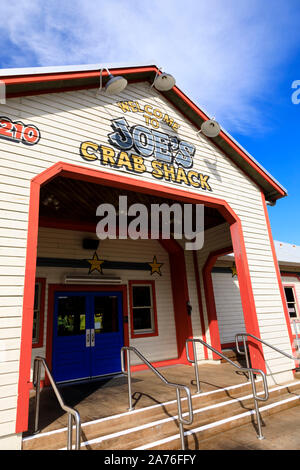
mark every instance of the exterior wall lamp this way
{"type": "Point", "coordinates": [114, 85]}
{"type": "Point", "coordinates": [2, 92]}
{"type": "Point", "coordinates": [164, 81]}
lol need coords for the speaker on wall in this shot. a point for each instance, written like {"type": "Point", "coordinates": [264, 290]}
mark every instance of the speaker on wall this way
{"type": "Point", "coordinates": [90, 244]}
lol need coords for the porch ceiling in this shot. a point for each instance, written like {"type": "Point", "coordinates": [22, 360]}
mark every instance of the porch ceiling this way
{"type": "Point", "coordinates": [64, 200]}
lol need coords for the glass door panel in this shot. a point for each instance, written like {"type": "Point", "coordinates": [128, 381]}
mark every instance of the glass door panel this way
{"type": "Point", "coordinates": [108, 333]}
{"type": "Point", "coordinates": [71, 315]}
{"type": "Point", "coordinates": [106, 314]}
{"type": "Point", "coordinates": [71, 356]}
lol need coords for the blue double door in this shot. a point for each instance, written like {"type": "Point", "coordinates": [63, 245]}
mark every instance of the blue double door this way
{"type": "Point", "coordinates": [87, 334]}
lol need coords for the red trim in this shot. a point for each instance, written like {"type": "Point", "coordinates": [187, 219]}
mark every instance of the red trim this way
{"type": "Point", "coordinates": [169, 362]}
{"type": "Point", "coordinates": [40, 342]}
{"type": "Point", "coordinates": [52, 77]}
{"type": "Point", "coordinates": [180, 293]}
{"type": "Point", "coordinates": [177, 261]}
{"type": "Point", "coordinates": [200, 305]}
{"type": "Point", "coordinates": [27, 317]}
{"type": "Point", "coordinates": [283, 299]}
{"type": "Point", "coordinates": [64, 89]}
{"type": "Point", "coordinates": [230, 345]}
{"type": "Point", "coordinates": [143, 335]}
{"type": "Point", "coordinates": [210, 297]}
{"type": "Point", "coordinates": [67, 224]}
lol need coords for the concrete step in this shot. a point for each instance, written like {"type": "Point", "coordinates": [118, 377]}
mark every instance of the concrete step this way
{"type": "Point", "coordinates": [165, 429]}
{"type": "Point", "coordinates": [234, 356]}
{"type": "Point", "coordinates": [158, 423]}
{"type": "Point", "coordinates": [195, 434]}
{"type": "Point", "coordinates": [128, 420]}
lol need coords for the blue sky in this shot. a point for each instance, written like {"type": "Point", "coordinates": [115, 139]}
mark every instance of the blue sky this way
{"type": "Point", "coordinates": [237, 59]}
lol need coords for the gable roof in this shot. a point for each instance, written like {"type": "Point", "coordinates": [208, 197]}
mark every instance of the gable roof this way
{"type": "Point", "coordinates": [38, 80]}
{"type": "Point", "coordinates": [287, 253]}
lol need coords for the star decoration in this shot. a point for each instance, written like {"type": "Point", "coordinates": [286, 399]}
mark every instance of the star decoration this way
{"type": "Point", "coordinates": [233, 269]}
{"type": "Point", "coordinates": [155, 266]}
{"type": "Point", "coordinates": [95, 264]}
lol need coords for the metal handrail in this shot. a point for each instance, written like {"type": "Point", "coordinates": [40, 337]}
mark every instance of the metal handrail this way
{"type": "Point", "coordinates": [248, 369]}
{"type": "Point", "coordinates": [245, 352]}
{"type": "Point", "coordinates": [178, 387]}
{"type": "Point", "coordinates": [72, 413]}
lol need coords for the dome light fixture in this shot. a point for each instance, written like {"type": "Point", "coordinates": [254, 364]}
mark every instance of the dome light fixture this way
{"type": "Point", "coordinates": [164, 81]}
{"type": "Point", "coordinates": [210, 128]}
{"type": "Point", "coordinates": [114, 85]}
{"type": "Point", "coordinates": [2, 92]}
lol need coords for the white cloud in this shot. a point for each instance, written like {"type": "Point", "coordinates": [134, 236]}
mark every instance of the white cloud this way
{"type": "Point", "coordinates": [226, 55]}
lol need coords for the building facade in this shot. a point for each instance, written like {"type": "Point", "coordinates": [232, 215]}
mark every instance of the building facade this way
{"type": "Point", "coordinates": [65, 149]}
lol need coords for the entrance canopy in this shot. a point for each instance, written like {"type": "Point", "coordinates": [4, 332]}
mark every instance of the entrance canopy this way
{"type": "Point", "coordinates": [66, 202]}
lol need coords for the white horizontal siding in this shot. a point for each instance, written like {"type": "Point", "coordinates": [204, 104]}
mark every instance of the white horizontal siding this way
{"type": "Point", "coordinates": [8, 427]}
{"type": "Point", "coordinates": [228, 305]}
{"type": "Point", "coordinates": [215, 238]}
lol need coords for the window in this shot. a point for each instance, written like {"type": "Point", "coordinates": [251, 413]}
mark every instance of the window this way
{"type": "Point", "coordinates": [143, 309]}
{"type": "Point", "coordinates": [291, 301]}
{"type": "Point", "coordinates": [38, 313]}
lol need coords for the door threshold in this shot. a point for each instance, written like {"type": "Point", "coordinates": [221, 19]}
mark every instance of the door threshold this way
{"type": "Point", "coordinates": [86, 380]}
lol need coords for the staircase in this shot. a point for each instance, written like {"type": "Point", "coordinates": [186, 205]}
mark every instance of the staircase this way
{"type": "Point", "coordinates": [156, 427]}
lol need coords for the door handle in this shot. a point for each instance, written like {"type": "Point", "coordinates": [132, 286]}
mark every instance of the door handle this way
{"type": "Point", "coordinates": [92, 337]}
{"type": "Point", "coordinates": [88, 338]}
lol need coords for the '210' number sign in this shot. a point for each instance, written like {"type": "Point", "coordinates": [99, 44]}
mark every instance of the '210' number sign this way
{"type": "Point", "coordinates": [16, 131]}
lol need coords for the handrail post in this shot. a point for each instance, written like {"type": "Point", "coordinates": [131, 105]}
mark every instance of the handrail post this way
{"type": "Point", "coordinates": [247, 357]}
{"type": "Point", "coordinates": [245, 335]}
{"type": "Point", "coordinates": [194, 362]}
{"type": "Point", "coordinates": [258, 419]}
{"type": "Point", "coordinates": [70, 426]}
{"type": "Point", "coordinates": [181, 420]}
{"type": "Point", "coordinates": [131, 408]}
{"type": "Point", "coordinates": [181, 430]}
{"type": "Point", "coordinates": [249, 369]}
{"type": "Point", "coordinates": [196, 367]}
{"type": "Point", "coordinates": [72, 413]}
{"type": "Point", "coordinates": [37, 385]}
{"type": "Point", "coordinates": [77, 423]}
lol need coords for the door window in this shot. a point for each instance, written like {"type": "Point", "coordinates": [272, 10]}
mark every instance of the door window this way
{"type": "Point", "coordinates": [106, 314]}
{"type": "Point", "coordinates": [71, 316]}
